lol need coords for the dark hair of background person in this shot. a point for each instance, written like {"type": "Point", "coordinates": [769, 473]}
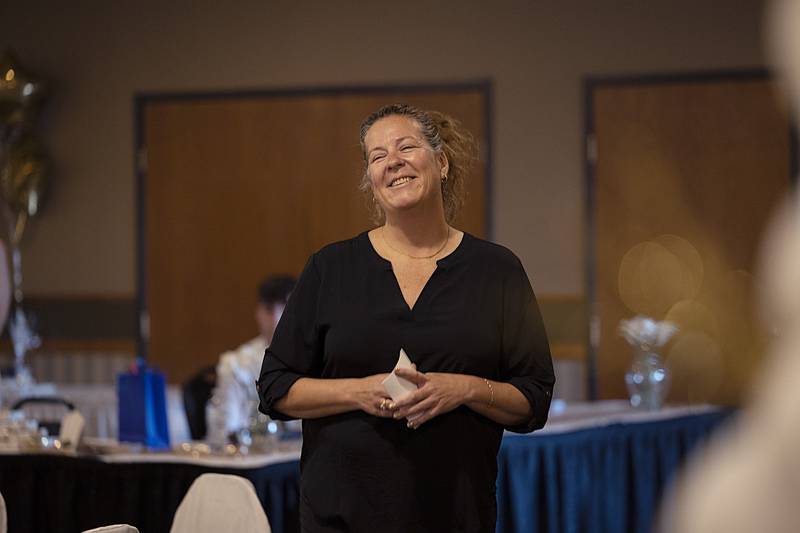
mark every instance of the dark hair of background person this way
{"type": "Point", "coordinates": [276, 289]}
{"type": "Point", "coordinates": [444, 134]}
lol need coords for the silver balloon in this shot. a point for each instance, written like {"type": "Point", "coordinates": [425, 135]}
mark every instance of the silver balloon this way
{"type": "Point", "coordinates": [21, 93]}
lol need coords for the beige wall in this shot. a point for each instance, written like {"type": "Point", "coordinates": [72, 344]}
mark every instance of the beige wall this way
{"type": "Point", "coordinates": [536, 53]}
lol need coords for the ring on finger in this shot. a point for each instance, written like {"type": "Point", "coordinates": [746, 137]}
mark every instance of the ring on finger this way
{"type": "Point", "coordinates": [382, 405]}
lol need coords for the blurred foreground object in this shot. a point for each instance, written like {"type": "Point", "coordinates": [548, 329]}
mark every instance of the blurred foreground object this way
{"type": "Point", "coordinates": [748, 480]}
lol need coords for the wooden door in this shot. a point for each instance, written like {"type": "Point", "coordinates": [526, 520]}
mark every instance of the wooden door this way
{"type": "Point", "coordinates": [238, 188]}
{"type": "Point", "coordinates": [686, 174]}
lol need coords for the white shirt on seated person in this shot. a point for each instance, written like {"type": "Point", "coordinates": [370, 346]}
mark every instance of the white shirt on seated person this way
{"type": "Point", "coordinates": [235, 398]}
{"type": "Point", "coordinates": [231, 403]}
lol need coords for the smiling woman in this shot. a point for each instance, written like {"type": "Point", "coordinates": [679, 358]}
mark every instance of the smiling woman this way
{"type": "Point", "coordinates": [432, 131]}
{"type": "Point", "coordinates": [461, 308]}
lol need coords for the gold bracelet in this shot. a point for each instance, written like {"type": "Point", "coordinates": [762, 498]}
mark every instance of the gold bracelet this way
{"type": "Point", "coordinates": [491, 392]}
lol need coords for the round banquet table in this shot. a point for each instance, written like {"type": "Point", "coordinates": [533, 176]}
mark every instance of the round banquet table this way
{"type": "Point", "coordinates": [599, 467]}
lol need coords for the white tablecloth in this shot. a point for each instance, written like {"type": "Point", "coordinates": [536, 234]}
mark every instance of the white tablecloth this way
{"type": "Point", "coordinates": [98, 404]}
{"type": "Point", "coordinates": [565, 417]}
{"type": "Point", "coordinates": [256, 460]}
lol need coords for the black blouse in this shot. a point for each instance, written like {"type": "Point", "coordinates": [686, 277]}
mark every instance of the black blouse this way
{"type": "Point", "coordinates": [347, 319]}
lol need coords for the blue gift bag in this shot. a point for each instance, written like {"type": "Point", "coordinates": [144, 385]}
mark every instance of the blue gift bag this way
{"type": "Point", "coordinates": [142, 406]}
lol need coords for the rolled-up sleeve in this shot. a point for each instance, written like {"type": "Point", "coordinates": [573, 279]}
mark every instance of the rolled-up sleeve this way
{"type": "Point", "coordinates": [526, 363]}
{"type": "Point", "coordinates": [295, 349]}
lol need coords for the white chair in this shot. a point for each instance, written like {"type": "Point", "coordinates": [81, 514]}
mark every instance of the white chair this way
{"type": "Point", "coordinates": [220, 502]}
{"type": "Point", "coordinates": [3, 518]}
{"type": "Point", "coordinates": [116, 528]}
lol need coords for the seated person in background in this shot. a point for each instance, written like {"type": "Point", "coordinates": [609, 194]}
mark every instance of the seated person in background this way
{"type": "Point", "coordinates": [235, 397]}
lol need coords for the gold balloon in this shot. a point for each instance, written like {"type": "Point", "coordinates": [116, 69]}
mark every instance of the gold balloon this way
{"type": "Point", "coordinates": [24, 180]}
{"type": "Point", "coordinates": [21, 93]}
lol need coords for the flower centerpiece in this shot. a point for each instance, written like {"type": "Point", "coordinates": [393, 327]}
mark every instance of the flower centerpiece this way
{"type": "Point", "coordinates": [648, 379]}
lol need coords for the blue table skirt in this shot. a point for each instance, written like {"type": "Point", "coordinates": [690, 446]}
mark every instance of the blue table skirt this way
{"type": "Point", "coordinates": [605, 480]}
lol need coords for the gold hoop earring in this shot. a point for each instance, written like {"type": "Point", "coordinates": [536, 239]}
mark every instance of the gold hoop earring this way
{"type": "Point", "coordinates": [444, 179]}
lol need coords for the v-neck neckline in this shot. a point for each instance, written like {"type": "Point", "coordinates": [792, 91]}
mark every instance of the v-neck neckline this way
{"type": "Point", "coordinates": [442, 263]}
{"type": "Point", "coordinates": [411, 307]}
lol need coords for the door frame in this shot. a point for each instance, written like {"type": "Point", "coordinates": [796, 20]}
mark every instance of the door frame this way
{"type": "Point", "coordinates": [142, 99]}
{"type": "Point", "coordinates": [591, 84]}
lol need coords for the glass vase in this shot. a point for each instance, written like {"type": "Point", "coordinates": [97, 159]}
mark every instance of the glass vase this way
{"type": "Point", "coordinates": [648, 380]}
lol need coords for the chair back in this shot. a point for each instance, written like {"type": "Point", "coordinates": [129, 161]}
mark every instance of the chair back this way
{"type": "Point", "coordinates": [115, 528]}
{"type": "Point", "coordinates": [220, 502]}
{"type": "Point", "coordinates": [3, 516]}
{"type": "Point", "coordinates": [47, 410]}
{"type": "Point", "coordinates": [196, 393]}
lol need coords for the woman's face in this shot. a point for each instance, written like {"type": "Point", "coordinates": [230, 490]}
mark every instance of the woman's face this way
{"type": "Point", "coordinates": [403, 169]}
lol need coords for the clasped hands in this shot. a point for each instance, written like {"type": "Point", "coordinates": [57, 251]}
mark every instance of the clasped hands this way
{"type": "Point", "coordinates": [437, 393]}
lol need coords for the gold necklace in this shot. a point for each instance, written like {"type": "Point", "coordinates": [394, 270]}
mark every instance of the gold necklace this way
{"type": "Point", "coordinates": [437, 252]}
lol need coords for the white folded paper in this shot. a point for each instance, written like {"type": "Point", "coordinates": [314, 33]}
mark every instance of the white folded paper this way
{"type": "Point", "coordinates": [71, 428]}
{"type": "Point", "coordinates": [397, 387]}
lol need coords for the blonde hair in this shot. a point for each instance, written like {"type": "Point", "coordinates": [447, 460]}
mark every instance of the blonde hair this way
{"type": "Point", "coordinates": [445, 135]}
